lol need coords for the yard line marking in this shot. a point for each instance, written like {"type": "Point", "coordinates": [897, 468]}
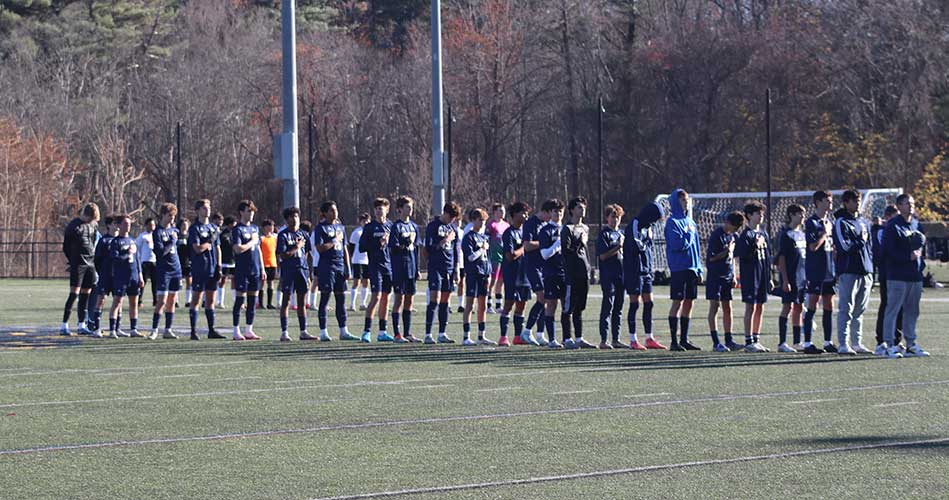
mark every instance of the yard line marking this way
{"type": "Point", "coordinates": [648, 395]}
{"type": "Point", "coordinates": [633, 470]}
{"type": "Point", "coordinates": [431, 386]}
{"type": "Point", "coordinates": [183, 375]}
{"type": "Point", "coordinates": [808, 401]}
{"type": "Point", "coordinates": [455, 418]}
{"type": "Point", "coordinates": [567, 393]}
{"type": "Point", "coordinates": [498, 389]}
{"type": "Point", "coordinates": [904, 403]}
{"type": "Point", "coordinates": [137, 368]}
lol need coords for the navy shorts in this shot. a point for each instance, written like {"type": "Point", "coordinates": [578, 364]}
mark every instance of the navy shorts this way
{"type": "Point", "coordinates": [104, 286]}
{"type": "Point", "coordinates": [795, 296]}
{"type": "Point", "coordinates": [130, 290]}
{"type": "Point", "coordinates": [330, 280]}
{"type": "Point", "coordinates": [440, 281]}
{"type": "Point", "coordinates": [227, 269]}
{"type": "Point", "coordinates": [82, 276]}
{"type": "Point", "coordinates": [638, 286]}
{"type": "Point", "coordinates": [380, 281]}
{"type": "Point", "coordinates": [719, 289]}
{"type": "Point", "coordinates": [202, 282]}
{"type": "Point", "coordinates": [822, 288]}
{"type": "Point", "coordinates": [476, 286]}
{"type": "Point", "coordinates": [167, 284]}
{"type": "Point", "coordinates": [517, 293]}
{"type": "Point", "coordinates": [754, 294]}
{"type": "Point", "coordinates": [404, 285]}
{"type": "Point", "coordinates": [684, 285]}
{"type": "Point", "coordinates": [535, 278]}
{"type": "Point", "coordinates": [360, 271]}
{"type": "Point", "coordinates": [294, 281]}
{"type": "Point", "coordinates": [555, 287]}
{"type": "Point", "coordinates": [244, 282]}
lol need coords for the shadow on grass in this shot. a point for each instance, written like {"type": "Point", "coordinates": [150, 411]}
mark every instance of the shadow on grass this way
{"type": "Point", "coordinates": [913, 442]}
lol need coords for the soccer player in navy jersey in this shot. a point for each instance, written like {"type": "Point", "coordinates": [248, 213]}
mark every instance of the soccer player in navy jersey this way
{"type": "Point", "coordinates": [475, 246]}
{"type": "Point", "coordinates": [574, 237]}
{"type": "Point", "coordinates": [638, 272]}
{"type": "Point", "coordinates": [854, 266]}
{"type": "Point", "coordinates": [126, 269]}
{"type": "Point", "coordinates": [517, 290]}
{"type": "Point", "coordinates": [293, 251]}
{"type": "Point", "coordinates": [79, 245]}
{"type": "Point", "coordinates": [248, 269]}
{"type": "Point", "coordinates": [226, 225]}
{"type": "Point", "coordinates": [103, 266]}
{"type": "Point", "coordinates": [375, 242]}
{"type": "Point", "coordinates": [329, 237]}
{"type": "Point", "coordinates": [167, 270]}
{"type": "Point", "coordinates": [792, 252]}
{"type": "Point", "coordinates": [720, 263]}
{"type": "Point", "coordinates": [754, 258]}
{"type": "Point", "coordinates": [819, 268]}
{"type": "Point", "coordinates": [533, 270]}
{"type": "Point", "coordinates": [204, 242]}
{"type": "Point", "coordinates": [440, 250]}
{"type": "Point", "coordinates": [554, 271]}
{"type": "Point", "coordinates": [609, 251]}
{"type": "Point", "coordinates": [404, 243]}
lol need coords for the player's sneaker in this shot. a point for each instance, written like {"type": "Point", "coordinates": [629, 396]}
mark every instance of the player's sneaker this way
{"type": "Point", "coordinates": [755, 347]}
{"type": "Point", "coordinates": [901, 347]}
{"type": "Point", "coordinates": [64, 330]}
{"type": "Point", "coordinates": [83, 329]}
{"type": "Point", "coordinates": [860, 349]}
{"type": "Point", "coordinates": [411, 338]}
{"type": "Point", "coordinates": [619, 344]}
{"type": "Point", "coordinates": [486, 341]}
{"type": "Point", "coordinates": [653, 344]}
{"type": "Point", "coordinates": [880, 349]}
{"type": "Point", "coordinates": [605, 345]}
{"type": "Point", "coordinates": [214, 335]}
{"type": "Point", "coordinates": [345, 335]}
{"type": "Point", "coordinates": [353, 308]}
{"type": "Point", "coordinates": [285, 337]}
{"type": "Point", "coordinates": [570, 344]}
{"type": "Point", "coordinates": [799, 346]}
{"type": "Point", "coordinates": [169, 334]}
{"type": "Point", "coordinates": [786, 348]}
{"type": "Point", "coordinates": [135, 334]}
{"type": "Point", "coordinates": [468, 342]}
{"type": "Point", "coordinates": [636, 346]}
{"type": "Point", "coordinates": [583, 344]}
{"type": "Point", "coordinates": [304, 335]}
{"type": "Point", "coordinates": [846, 350]}
{"type": "Point", "coordinates": [384, 337]}
{"type": "Point", "coordinates": [892, 353]}
{"type": "Point", "coordinates": [916, 351]}
{"type": "Point", "coordinates": [504, 342]}
{"type": "Point", "coordinates": [518, 340]}
{"type": "Point", "coordinates": [528, 338]}
{"type": "Point", "coordinates": [429, 340]}
{"type": "Point", "coordinates": [721, 348]}
{"type": "Point", "coordinates": [122, 333]}
{"type": "Point", "coordinates": [366, 338]}
{"type": "Point", "coordinates": [830, 348]}
{"type": "Point", "coordinates": [237, 335]}
{"type": "Point", "coordinates": [813, 349]}
{"type": "Point", "coordinates": [689, 346]}
{"type": "Point", "coordinates": [153, 335]}
{"type": "Point", "coordinates": [734, 346]}
{"type": "Point", "coordinates": [445, 339]}
{"type": "Point", "coordinates": [250, 335]}
{"type": "Point", "coordinates": [399, 339]}
{"type": "Point", "coordinates": [113, 334]}
{"type": "Point", "coordinates": [553, 344]}
{"type": "Point", "coordinates": [676, 347]}
{"type": "Point", "coordinates": [461, 309]}
{"type": "Point", "coordinates": [489, 310]}
{"type": "Point", "coordinates": [97, 335]}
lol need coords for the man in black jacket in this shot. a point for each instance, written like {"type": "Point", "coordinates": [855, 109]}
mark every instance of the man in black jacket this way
{"type": "Point", "coordinates": [79, 246]}
{"type": "Point", "coordinates": [574, 240]}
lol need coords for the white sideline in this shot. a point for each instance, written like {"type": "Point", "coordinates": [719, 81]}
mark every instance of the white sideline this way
{"type": "Point", "coordinates": [118, 369]}
{"type": "Point", "coordinates": [632, 470]}
{"type": "Point", "coordinates": [456, 418]}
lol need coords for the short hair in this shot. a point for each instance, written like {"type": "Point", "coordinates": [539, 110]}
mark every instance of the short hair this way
{"type": "Point", "coordinates": [380, 202]}
{"type": "Point", "coordinates": [306, 226]}
{"type": "Point", "coordinates": [90, 210]}
{"type": "Point", "coordinates": [682, 193]}
{"type": "Point", "coordinates": [821, 195]}
{"type": "Point", "coordinates": [736, 219]}
{"type": "Point", "coordinates": [364, 216]}
{"type": "Point", "coordinates": [579, 200]}
{"type": "Point", "coordinates": [182, 222]}
{"type": "Point", "coordinates": [201, 203]}
{"type": "Point", "coordinates": [793, 209]}
{"type": "Point", "coordinates": [326, 206]}
{"type": "Point", "coordinates": [451, 208]}
{"type": "Point", "coordinates": [289, 211]}
{"type": "Point", "coordinates": [496, 206]}
{"type": "Point", "coordinates": [518, 207]}
{"type": "Point", "coordinates": [108, 219]}
{"type": "Point", "coordinates": [229, 220]}
{"type": "Point", "coordinates": [614, 209]}
{"type": "Point", "coordinates": [168, 208]}
{"type": "Point", "coordinates": [268, 222]}
{"type": "Point", "coordinates": [902, 198]}
{"type": "Point", "coordinates": [149, 220]}
{"type": "Point", "coordinates": [216, 216]}
{"type": "Point", "coordinates": [117, 219]}
{"type": "Point", "coordinates": [477, 214]}
{"type": "Point", "coordinates": [552, 204]}
{"type": "Point", "coordinates": [246, 205]}
{"type": "Point", "coordinates": [890, 210]}
{"type": "Point", "coordinates": [850, 195]}
{"type": "Point", "coordinates": [402, 201]}
{"type": "Point", "coordinates": [753, 207]}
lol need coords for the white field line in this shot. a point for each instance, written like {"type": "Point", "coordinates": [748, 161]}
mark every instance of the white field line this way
{"type": "Point", "coordinates": [633, 470]}
{"type": "Point", "coordinates": [647, 395]}
{"type": "Point", "coordinates": [809, 401]}
{"type": "Point", "coordinates": [890, 405]}
{"type": "Point", "coordinates": [28, 373]}
{"type": "Point", "coordinates": [456, 418]}
{"type": "Point", "coordinates": [569, 393]}
{"type": "Point", "coordinates": [439, 386]}
{"type": "Point", "coordinates": [498, 389]}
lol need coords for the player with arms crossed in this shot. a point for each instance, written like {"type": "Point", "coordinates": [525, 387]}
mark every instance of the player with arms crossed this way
{"type": "Point", "coordinates": [79, 245]}
{"type": "Point", "coordinates": [517, 290]}
{"type": "Point", "coordinates": [819, 269]}
{"type": "Point", "coordinates": [720, 261]}
{"type": "Point", "coordinates": [126, 269]}
{"type": "Point", "coordinates": [404, 243]}
{"type": "Point", "coordinates": [329, 237]}
{"type": "Point", "coordinates": [248, 269]}
{"type": "Point", "coordinates": [204, 242]}
{"type": "Point", "coordinates": [440, 250]}
{"type": "Point", "coordinates": [609, 250]}
{"type": "Point", "coordinates": [167, 270]}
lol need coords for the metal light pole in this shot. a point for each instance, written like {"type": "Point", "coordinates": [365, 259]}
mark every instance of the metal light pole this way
{"type": "Point", "coordinates": [448, 124]}
{"type": "Point", "coordinates": [285, 145]}
{"type": "Point", "coordinates": [767, 119]}
{"type": "Point", "coordinates": [599, 142]}
{"type": "Point", "coordinates": [178, 162]}
{"type": "Point", "coordinates": [438, 145]}
{"type": "Point", "coordinates": [309, 137]}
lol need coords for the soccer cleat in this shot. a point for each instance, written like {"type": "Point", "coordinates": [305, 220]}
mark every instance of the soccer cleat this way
{"type": "Point", "coordinates": [861, 349]}
{"type": "Point", "coordinates": [583, 344]}
{"type": "Point", "coordinates": [762, 347]}
{"type": "Point", "coordinates": [786, 348]}
{"type": "Point", "coordinates": [721, 348]}
{"type": "Point", "coordinates": [411, 338]}
{"type": "Point", "coordinates": [813, 349]}
{"type": "Point", "coordinates": [468, 342]}
{"type": "Point", "coordinates": [250, 335]}
{"type": "Point", "coordinates": [122, 333]}
{"type": "Point", "coordinates": [892, 353]}
{"type": "Point", "coordinates": [653, 344]}
{"type": "Point", "coordinates": [486, 341]}
{"type": "Point", "coordinates": [798, 347]}
{"type": "Point", "coordinates": [636, 346]}
{"type": "Point", "coordinates": [445, 339]}
{"type": "Point", "coordinates": [461, 309]}
{"type": "Point", "coordinates": [345, 335]}
{"type": "Point", "coordinates": [304, 335]}
{"type": "Point", "coordinates": [753, 348]}
{"type": "Point", "coordinates": [553, 344]}
{"type": "Point", "coordinates": [325, 337]}
{"type": "Point", "coordinates": [285, 337]}
{"type": "Point", "coordinates": [153, 335]}
{"type": "Point", "coordinates": [570, 344]}
{"type": "Point", "coordinates": [676, 347]}
{"type": "Point", "coordinates": [605, 345]}
{"type": "Point", "coordinates": [528, 338]}
{"type": "Point", "coordinates": [64, 331]}
{"type": "Point", "coordinates": [113, 334]}
{"type": "Point", "coordinates": [399, 339]}
{"type": "Point", "coordinates": [880, 349]}
{"type": "Point", "coordinates": [489, 310]}
{"type": "Point", "coordinates": [846, 350]}
{"type": "Point", "coordinates": [384, 337]}
{"type": "Point", "coordinates": [83, 330]}
{"type": "Point", "coordinates": [353, 308]}
{"type": "Point", "coordinates": [271, 306]}
{"type": "Point", "coordinates": [238, 336]}
{"type": "Point", "coordinates": [830, 348]}
{"type": "Point", "coordinates": [689, 346]}
{"type": "Point", "coordinates": [214, 335]}
{"type": "Point", "coordinates": [901, 347]}
{"type": "Point", "coordinates": [504, 342]}
{"type": "Point", "coordinates": [194, 336]}
{"type": "Point", "coordinates": [169, 334]}
{"type": "Point", "coordinates": [734, 346]}
{"type": "Point", "coordinates": [916, 351]}
{"type": "Point", "coordinates": [619, 344]}
{"type": "Point", "coordinates": [135, 334]}
{"type": "Point", "coordinates": [518, 340]}
{"type": "Point", "coordinates": [97, 335]}
{"type": "Point", "coordinates": [366, 338]}
{"type": "Point", "coordinates": [429, 340]}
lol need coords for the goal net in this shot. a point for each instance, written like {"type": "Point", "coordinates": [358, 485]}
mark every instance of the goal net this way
{"type": "Point", "coordinates": [709, 210]}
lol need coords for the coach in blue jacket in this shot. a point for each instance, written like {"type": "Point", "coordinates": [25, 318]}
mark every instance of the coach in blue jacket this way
{"type": "Point", "coordinates": [903, 250]}
{"type": "Point", "coordinates": [854, 264]}
{"type": "Point", "coordinates": [685, 264]}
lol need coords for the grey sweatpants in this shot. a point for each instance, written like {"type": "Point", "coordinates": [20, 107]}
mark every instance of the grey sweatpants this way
{"type": "Point", "coordinates": [854, 296]}
{"type": "Point", "coordinates": [905, 295]}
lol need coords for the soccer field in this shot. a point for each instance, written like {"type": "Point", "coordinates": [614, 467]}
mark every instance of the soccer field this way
{"type": "Point", "coordinates": [131, 418]}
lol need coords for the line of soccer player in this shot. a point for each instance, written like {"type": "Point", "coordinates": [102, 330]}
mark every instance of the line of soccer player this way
{"type": "Point", "coordinates": [531, 254]}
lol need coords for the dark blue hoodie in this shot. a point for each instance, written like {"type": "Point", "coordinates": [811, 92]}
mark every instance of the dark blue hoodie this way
{"type": "Point", "coordinates": [638, 248]}
{"type": "Point", "coordinates": [900, 240]}
{"type": "Point", "coordinates": [853, 245]}
{"type": "Point", "coordinates": [682, 239]}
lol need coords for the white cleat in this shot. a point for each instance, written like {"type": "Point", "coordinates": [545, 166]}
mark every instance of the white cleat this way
{"type": "Point", "coordinates": [122, 333]}
{"type": "Point", "coordinates": [153, 335]}
{"type": "Point", "coordinates": [169, 334]}
{"type": "Point", "coordinates": [486, 341]}
{"type": "Point", "coordinates": [97, 334]}
{"type": "Point", "coordinates": [429, 340]}
{"type": "Point", "coordinates": [755, 348]}
{"type": "Point", "coordinates": [528, 338]}
{"type": "Point", "coordinates": [113, 334]}
{"type": "Point", "coordinates": [135, 334]}
{"type": "Point", "coordinates": [569, 344]}
{"type": "Point", "coordinates": [285, 337]}
{"type": "Point", "coordinates": [786, 348]}
{"type": "Point", "coordinates": [799, 346]}
{"type": "Point", "coordinates": [861, 349]}
{"type": "Point", "coordinates": [468, 342]}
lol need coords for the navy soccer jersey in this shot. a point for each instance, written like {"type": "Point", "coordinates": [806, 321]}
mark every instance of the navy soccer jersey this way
{"type": "Point", "coordinates": [165, 240]}
{"type": "Point", "coordinates": [286, 242]}
{"type": "Point", "coordinates": [611, 268]}
{"type": "Point", "coordinates": [638, 250]}
{"type": "Point", "coordinates": [247, 263]}
{"type": "Point", "coordinates": [125, 265]}
{"type": "Point", "coordinates": [754, 257]}
{"type": "Point", "coordinates": [793, 246]}
{"type": "Point", "coordinates": [819, 264]}
{"type": "Point", "coordinates": [718, 242]}
{"type": "Point", "coordinates": [404, 243]}
{"type": "Point", "coordinates": [531, 232]}
{"type": "Point", "coordinates": [513, 270]}
{"type": "Point", "coordinates": [474, 247]}
{"type": "Point", "coordinates": [441, 257]}
{"type": "Point", "coordinates": [101, 258]}
{"type": "Point", "coordinates": [550, 234]}
{"type": "Point", "coordinates": [204, 264]}
{"type": "Point", "coordinates": [375, 242]}
{"type": "Point", "coordinates": [333, 259]}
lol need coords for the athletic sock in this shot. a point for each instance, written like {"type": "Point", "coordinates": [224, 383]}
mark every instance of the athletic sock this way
{"type": "Point", "coordinates": [209, 315]}
{"type": "Point", "coordinates": [367, 324]}
{"type": "Point", "coordinates": [714, 334]}
{"type": "Point", "coordinates": [406, 323]}
{"type": "Point", "coordinates": [481, 328]}
{"type": "Point", "coordinates": [827, 321]}
{"type": "Point", "coordinates": [249, 314]}
{"type": "Point", "coordinates": [341, 316]}
{"type": "Point", "coordinates": [534, 315]}
{"type": "Point", "coordinates": [364, 296]}
{"type": "Point", "coordinates": [236, 312]}
{"type": "Point", "coordinates": [808, 324]}
{"type": "Point", "coordinates": [321, 311]}
{"type": "Point", "coordinates": [430, 317]}
{"type": "Point", "coordinates": [518, 324]}
{"type": "Point", "coordinates": [133, 323]}
{"type": "Point", "coordinates": [631, 318]}
{"type": "Point", "coordinates": [729, 338]}
{"type": "Point", "coordinates": [68, 310]}
{"type": "Point", "coordinates": [301, 322]}
{"type": "Point", "coordinates": [466, 328]}
{"type": "Point", "coordinates": [782, 329]}
{"type": "Point", "coordinates": [748, 340]}
{"type": "Point", "coordinates": [505, 320]}
{"type": "Point", "coordinates": [352, 298]}
{"type": "Point", "coordinates": [565, 325]}
{"type": "Point", "coordinates": [283, 323]}
{"type": "Point", "coordinates": [684, 329]}
{"type": "Point", "coordinates": [156, 318]}
{"type": "Point", "coordinates": [674, 329]}
{"type": "Point", "coordinates": [383, 322]}
{"type": "Point", "coordinates": [169, 319]}
{"type": "Point", "coordinates": [796, 331]}
{"type": "Point", "coordinates": [577, 325]}
{"type": "Point", "coordinates": [193, 320]}
{"type": "Point", "coordinates": [395, 323]}
{"type": "Point", "coordinates": [442, 317]}
{"type": "Point", "coordinates": [497, 300]}
{"type": "Point", "coordinates": [111, 324]}
{"type": "Point", "coordinates": [551, 330]}
{"type": "Point", "coordinates": [647, 317]}
{"type": "Point", "coordinates": [755, 337]}
{"type": "Point", "coordinates": [81, 305]}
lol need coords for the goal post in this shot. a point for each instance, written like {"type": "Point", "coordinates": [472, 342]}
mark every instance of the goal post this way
{"type": "Point", "coordinates": [709, 210]}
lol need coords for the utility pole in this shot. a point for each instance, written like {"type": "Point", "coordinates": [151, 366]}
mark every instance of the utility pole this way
{"type": "Point", "coordinates": [286, 156]}
{"type": "Point", "coordinates": [438, 112]}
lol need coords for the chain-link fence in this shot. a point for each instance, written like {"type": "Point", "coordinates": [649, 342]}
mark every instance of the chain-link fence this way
{"type": "Point", "coordinates": [32, 253]}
